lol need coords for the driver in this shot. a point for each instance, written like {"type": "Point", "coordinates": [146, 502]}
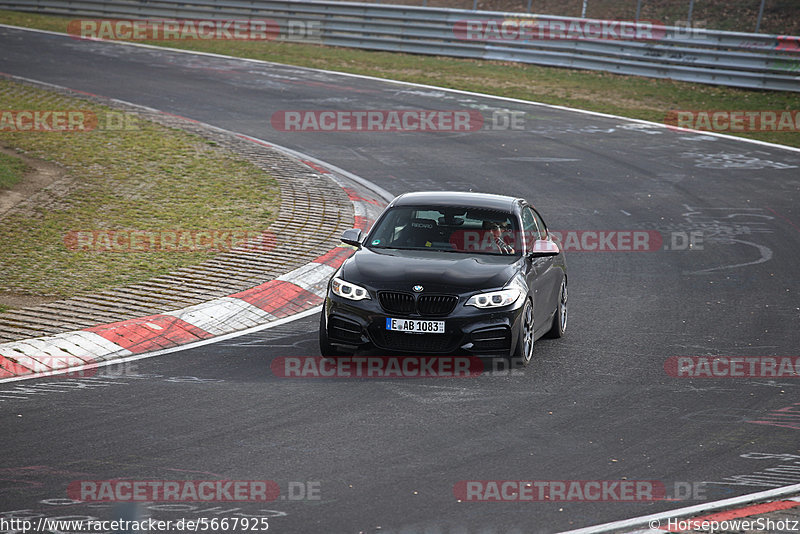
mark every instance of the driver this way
{"type": "Point", "coordinates": [497, 237]}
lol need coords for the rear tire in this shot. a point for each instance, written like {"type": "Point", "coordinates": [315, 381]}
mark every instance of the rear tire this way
{"type": "Point", "coordinates": [325, 348]}
{"type": "Point", "coordinates": [559, 327]}
{"type": "Point", "coordinates": [523, 350]}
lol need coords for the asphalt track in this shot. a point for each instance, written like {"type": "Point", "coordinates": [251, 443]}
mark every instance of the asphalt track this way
{"type": "Point", "coordinates": [385, 454]}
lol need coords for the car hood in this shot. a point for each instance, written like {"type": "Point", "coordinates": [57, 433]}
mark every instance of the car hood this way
{"type": "Point", "coordinates": [435, 271]}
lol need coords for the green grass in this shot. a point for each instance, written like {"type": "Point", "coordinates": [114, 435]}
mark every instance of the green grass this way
{"type": "Point", "coordinates": [629, 96]}
{"type": "Point", "coordinates": [142, 177]}
{"type": "Point", "coordinates": [12, 169]}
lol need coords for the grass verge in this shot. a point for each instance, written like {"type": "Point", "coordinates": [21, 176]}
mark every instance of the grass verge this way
{"type": "Point", "coordinates": [12, 169]}
{"type": "Point", "coordinates": [142, 176]}
{"type": "Point", "coordinates": [630, 96]}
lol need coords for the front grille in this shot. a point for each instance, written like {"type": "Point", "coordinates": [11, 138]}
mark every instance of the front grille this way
{"type": "Point", "coordinates": [394, 302]}
{"type": "Point", "coordinates": [492, 339]}
{"type": "Point", "coordinates": [344, 330]}
{"type": "Point", "coordinates": [436, 304]}
{"type": "Point", "coordinates": [404, 342]}
{"type": "Point", "coordinates": [397, 302]}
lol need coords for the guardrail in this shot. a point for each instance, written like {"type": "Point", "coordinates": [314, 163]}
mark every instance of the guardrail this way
{"type": "Point", "coordinates": [748, 60]}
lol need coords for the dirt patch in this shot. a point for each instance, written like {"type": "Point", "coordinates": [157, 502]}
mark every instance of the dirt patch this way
{"type": "Point", "coordinates": [40, 175]}
{"type": "Point", "coordinates": [10, 300]}
{"type": "Point", "coordinates": [147, 177]}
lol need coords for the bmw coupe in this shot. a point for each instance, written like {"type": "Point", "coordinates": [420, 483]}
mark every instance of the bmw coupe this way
{"type": "Point", "coordinates": [444, 272]}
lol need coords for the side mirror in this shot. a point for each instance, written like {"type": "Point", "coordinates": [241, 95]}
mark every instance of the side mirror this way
{"type": "Point", "coordinates": [544, 247]}
{"type": "Point", "coordinates": [352, 237]}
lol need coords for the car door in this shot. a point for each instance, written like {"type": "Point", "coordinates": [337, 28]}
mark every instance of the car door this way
{"type": "Point", "coordinates": [535, 267]}
{"type": "Point", "coordinates": [551, 277]}
{"type": "Point", "coordinates": [542, 272]}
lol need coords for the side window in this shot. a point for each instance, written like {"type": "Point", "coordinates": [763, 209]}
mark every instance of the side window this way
{"type": "Point", "coordinates": [529, 227]}
{"type": "Point", "coordinates": [540, 224]}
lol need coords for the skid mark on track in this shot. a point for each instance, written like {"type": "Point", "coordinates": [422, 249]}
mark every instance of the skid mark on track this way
{"type": "Point", "coordinates": [728, 226]}
{"type": "Point", "coordinates": [433, 394]}
{"type": "Point", "coordinates": [30, 390]}
{"type": "Point", "coordinates": [783, 470]}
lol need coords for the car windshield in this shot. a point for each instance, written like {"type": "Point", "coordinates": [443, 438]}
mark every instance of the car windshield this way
{"type": "Point", "coordinates": [458, 230]}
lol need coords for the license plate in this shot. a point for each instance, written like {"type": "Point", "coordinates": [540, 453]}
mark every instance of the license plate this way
{"type": "Point", "coordinates": [415, 325]}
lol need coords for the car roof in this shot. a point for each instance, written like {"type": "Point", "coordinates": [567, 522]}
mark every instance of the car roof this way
{"type": "Point", "coordinates": [460, 199]}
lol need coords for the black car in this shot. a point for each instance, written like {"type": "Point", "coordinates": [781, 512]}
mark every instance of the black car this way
{"type": "Point", "coordinates": [443, 272]}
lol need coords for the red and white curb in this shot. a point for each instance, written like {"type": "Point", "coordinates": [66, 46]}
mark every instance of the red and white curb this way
{"type": "Point", "coordinates": [290, 294]}
{"type": "Point", "coordinates": [727, 517]}
{"type": "Point", "coordinates": [732, 509]}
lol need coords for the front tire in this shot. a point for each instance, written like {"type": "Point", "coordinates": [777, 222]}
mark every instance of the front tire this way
{"type": "Point", "coordinates": [523, 350]}
{"type": "Point", "coordinates": [559, 327]}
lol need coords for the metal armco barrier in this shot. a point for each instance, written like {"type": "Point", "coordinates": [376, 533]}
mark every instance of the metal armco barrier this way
{"type": "Point", "coordinates": [748, 60]}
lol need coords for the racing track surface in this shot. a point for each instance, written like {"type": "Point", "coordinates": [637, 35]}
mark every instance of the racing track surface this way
{"type": "Point", "coordinates": [386, 453]}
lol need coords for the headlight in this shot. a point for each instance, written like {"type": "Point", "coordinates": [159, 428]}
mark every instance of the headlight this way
{"type": "Point", "coordinates": [495, 299]}
{"type": "Point", "coordinates": [348, 290]}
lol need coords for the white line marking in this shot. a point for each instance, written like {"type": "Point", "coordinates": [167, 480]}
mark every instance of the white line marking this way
{"type": "Point", "coordinates": [690, 510]}
{"type": "Point", "coordinates": [187, 346]}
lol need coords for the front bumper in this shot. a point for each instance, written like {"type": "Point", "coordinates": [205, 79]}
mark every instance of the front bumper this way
{"type": "Point", "coordinates": [480, 332]}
